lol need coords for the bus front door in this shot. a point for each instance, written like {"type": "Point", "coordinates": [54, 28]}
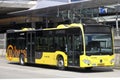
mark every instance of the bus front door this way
{"type": "Point", "coordinates": [31, 47]}
{"type": "Point", "coordinates": [73, 53]}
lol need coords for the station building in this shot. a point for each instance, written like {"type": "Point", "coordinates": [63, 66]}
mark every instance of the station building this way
{"type": "Point", "coordinates": [103, 11]}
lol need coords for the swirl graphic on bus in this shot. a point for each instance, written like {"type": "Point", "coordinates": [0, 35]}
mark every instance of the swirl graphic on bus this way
{"type": "Point", "coordinates": [13, 52]}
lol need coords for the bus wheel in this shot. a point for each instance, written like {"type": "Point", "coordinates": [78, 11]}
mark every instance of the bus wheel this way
{"type": "Point", "coordinates": [21, 59]}
{"type": "Point", "coordinates": [60, 63]}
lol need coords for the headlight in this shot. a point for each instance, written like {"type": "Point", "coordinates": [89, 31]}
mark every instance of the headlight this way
{"type": "Point", "coordinates": [112, 61]}
{"type": "Point", "coordinates": [86, 61]}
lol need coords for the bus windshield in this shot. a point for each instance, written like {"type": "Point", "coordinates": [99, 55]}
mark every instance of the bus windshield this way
{"type": "Point", "coordinates": [98, 44]}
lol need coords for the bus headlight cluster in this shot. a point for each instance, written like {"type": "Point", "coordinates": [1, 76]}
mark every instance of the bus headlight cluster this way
{"type": "Point", "coordinates": [86, 61]}
{"type": "Point", "coordinates": [112, 61]}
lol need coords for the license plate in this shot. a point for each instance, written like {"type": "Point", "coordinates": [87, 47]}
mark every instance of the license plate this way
{"type": "Point", "coordinates": [101, 64]}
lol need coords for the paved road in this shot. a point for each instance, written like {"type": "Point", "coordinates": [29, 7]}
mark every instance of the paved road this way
{"type": "Point", "coordinates": [16, 71]}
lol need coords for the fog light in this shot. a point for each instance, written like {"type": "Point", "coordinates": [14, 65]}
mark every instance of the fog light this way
{"type": "Point", "coordinates": [86, 61]}
{"type": "Point", "coordinates": [112, 61]}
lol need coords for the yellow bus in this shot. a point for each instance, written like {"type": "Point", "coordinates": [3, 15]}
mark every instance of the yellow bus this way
{"type": "Point", "coordinates": [74, 45]}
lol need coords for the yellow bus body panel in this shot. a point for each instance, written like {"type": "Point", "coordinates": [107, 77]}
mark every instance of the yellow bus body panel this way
{"type": "Point", "coordinates": [14, 59]}
{"type": "Point", "coordinates": [50, 58]}
{"type": "Point", "coordinates": [97, 61]}
{"type": "Point", "coordinates": [47, 58]}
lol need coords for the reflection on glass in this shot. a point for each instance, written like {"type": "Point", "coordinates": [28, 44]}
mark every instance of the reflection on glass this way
{"type": "Point", "coordinates": [98, 44]}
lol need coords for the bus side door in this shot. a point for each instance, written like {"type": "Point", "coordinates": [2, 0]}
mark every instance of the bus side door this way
{"type": "Point", "coordinates": [72, 59]}
{"type": "Point", "coordinates": [74, 49]}
{"type": "Point", "coordinates": [30, 47]}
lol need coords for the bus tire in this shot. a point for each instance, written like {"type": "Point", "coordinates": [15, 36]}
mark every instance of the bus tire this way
{"type": "Point", "coordinates": [21, 59]}
{"type": "Point", "coordinates": [60, 63]}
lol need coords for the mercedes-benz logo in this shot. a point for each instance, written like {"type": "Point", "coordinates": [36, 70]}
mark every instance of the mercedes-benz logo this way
{"type": "Point", "coordinates": [101, 60]}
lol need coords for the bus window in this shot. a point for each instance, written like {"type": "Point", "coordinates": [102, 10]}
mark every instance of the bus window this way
{"type": "Point", "coordinates": [20, 43]}
{"type": "Point", "coordinates": [78, 43]}
{"type": "Point", "coordinates": [50, 44]}
{"type": "Point", "coordinates": [98, 43]}
{"type": "Point", "coordinates": [44, 44]}
{"type": "Point", "coordinates": [75, 43]}
{"type": "Point", "coordinates": [60, 43]}
{"type": "Point", "coordinates": [11, 39]}
{"type": "Point", "coordinates": [41, 44]}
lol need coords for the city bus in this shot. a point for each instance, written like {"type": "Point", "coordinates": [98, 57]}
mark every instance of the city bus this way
{"type": "Point", "coordinates": [73, 45]}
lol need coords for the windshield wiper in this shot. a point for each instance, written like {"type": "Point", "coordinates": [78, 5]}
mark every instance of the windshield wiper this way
{"type": "Point", "coordinates": [94, 53]}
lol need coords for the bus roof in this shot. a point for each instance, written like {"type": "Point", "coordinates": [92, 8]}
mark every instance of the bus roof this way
{"type": "Point", "coordinates": [62, 26]}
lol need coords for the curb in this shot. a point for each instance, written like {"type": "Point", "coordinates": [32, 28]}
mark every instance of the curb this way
{"type": "Point", "coordinates": [3, 56]}
{"type": "Point", "coordinates": [117, 67]}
